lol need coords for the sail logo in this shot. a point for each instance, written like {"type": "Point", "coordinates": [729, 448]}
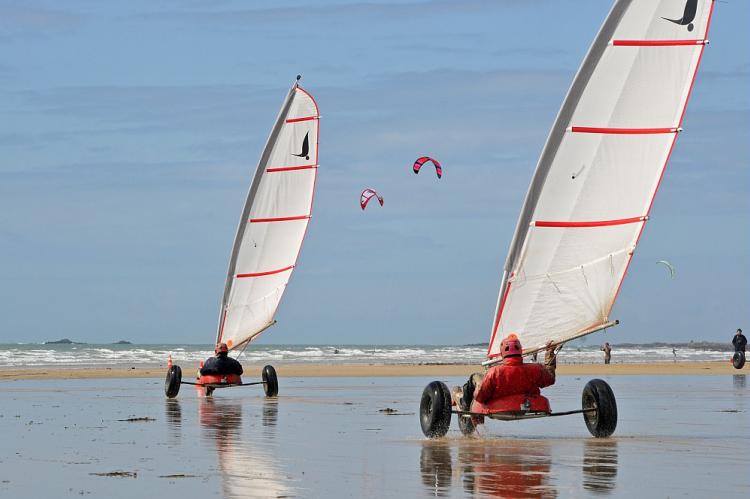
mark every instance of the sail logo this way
{"type": "Point", "coordinates": [305, 148]}
{"type": "Point", "coordinates": [688, 15]}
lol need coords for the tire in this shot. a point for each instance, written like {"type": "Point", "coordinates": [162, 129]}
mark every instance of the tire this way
{"type": "Point", "coordinates": [435, 410]}
{"type": "Point", "coordinates": [172, 383]}
{"type": "Point", "coordinates": [598, 395]}
{"type": "Point", "coordinates": [270, 381]}
{"type": "Point", "coordinates": [738, 360]}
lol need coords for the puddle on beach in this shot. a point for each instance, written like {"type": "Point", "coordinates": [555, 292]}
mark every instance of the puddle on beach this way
{"type": "Point", "coordinates": [327, 437]}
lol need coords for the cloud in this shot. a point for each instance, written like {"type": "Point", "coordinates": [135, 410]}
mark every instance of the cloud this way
{"type": "Point", "coordinates": [321, 12]}
{"type": "Point", "coordinates": [22, 22]}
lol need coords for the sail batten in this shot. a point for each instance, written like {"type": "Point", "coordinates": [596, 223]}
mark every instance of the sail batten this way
{"type": "Point", "coordinates": [599, 171]}
{"type": "Point", "coordinates": [273, 222]}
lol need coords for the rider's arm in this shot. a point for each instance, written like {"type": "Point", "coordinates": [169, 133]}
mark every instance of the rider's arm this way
{"type": "Point", "coordinates": [550, 364]}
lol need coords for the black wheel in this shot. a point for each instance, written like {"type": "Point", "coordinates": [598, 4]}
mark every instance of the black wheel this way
{"type": "Point", "coordinates": [209, 391]}
{"type": "Point", "coordinates": [738, 360]}
{"type": "Point", "coordinates": [270, 381]}
{"type": "Point", "coordinates": [172, 383]}
{"type": "Point", "coordinates": [465, 423]}
{"type": "Point", "coordinates": [435, 410]}
{"type": "Point", "coordinates": [598, 395]}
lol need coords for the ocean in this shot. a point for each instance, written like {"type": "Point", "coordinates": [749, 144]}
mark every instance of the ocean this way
{"type": "Point", "coordinates": [118, 355]}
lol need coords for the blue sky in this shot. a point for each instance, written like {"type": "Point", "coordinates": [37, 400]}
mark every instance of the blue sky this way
{"type": "Point", "coordinates": [130, 130]}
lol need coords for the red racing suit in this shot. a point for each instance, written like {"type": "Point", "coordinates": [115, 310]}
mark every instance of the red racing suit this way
{"type": "Point", "coordinates": [513, 377]}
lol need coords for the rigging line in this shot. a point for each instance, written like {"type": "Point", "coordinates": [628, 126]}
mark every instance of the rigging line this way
{"type": "Point", "coordinates": [242, 351]}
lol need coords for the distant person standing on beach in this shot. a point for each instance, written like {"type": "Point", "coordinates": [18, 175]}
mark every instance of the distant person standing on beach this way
{"type": "Point", "coordinates": [739, 341]}
{"type": "Point", "coordinates": [607, 352]}
{"type": "Point", "coordinates": [674, 353]}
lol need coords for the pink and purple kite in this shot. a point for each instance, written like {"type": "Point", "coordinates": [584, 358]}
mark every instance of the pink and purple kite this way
{"type": "Point", "coordinates": [424, 159]}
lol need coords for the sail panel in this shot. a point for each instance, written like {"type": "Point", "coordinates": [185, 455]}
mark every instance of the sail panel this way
{"type": "Point", "coordinates": [274, 222]}
{"type": "Point", "coordinates": [615, 168]}
{"type": "Point", "coordinates": [598, 174]}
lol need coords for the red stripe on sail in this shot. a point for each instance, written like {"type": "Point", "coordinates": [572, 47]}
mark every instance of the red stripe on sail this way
{"type": "Point", "coordinates": [657, 43]}
{"type": "Point", "coordinates": [261, 274]}
{"type": "Point", "coordinates": [622, 131]}
{"type": "Point", "coordinates": [594, 223]}
{"type": "Point", "coordinates": [278, 219]}
{"type": "Point", "coordinates": [291, 168]}
{"type": "Point", "coordinates": [304, 118]}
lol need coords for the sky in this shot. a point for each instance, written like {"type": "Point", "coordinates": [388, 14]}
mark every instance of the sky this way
{"type": "Point", "coordinates": [130, 131]}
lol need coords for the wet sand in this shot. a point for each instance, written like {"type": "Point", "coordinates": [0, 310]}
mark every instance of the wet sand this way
{"type": "Point", "coordinates": [371, 370]}
{"type": "Point", "coordinates": [327, 437]}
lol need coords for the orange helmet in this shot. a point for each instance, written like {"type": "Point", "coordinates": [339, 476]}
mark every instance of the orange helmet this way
{"type": "Point", "coordinates": [510, 346]}
{"type": "Point", "coordinates": [221, 348]}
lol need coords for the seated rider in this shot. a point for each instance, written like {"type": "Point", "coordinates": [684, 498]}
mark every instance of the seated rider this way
{"type": "Point", "coordinates": [222, 363]}
{"type": "Point", "coordinates": [512, 377]}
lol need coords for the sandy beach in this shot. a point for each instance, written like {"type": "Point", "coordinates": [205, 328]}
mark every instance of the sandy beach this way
{"type": "Point", "coordinates": [677, 435]}
{"type": "Point", "coordinates": [373, 370]}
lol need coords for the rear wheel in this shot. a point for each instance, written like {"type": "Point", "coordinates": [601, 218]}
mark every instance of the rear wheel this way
{"type": "Point", "coordinates": [738, 360]}
{"type": "Point", "coordinates": [172, 383]}
{"type": "Point", "coordinates": [598, 395]}
{"type": "Point", "coordinates": [270, 381]}
{"type": "Point", "coordinates": [435, 410]}
{"type": "Point", "coordinates": [466, 425]}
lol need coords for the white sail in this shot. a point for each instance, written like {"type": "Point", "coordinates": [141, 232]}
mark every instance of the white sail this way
{"type": "Point", "coordinates": [273, 222]}
{"type": "Point", "coordinates": [596, 179]}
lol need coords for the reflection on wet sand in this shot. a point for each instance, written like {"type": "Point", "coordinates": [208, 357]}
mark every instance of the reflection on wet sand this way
{"type": "Point", "coordinates": [739, 381]}
{"type": "Point", "coordinates": [599, 465]}
{"type": "Point", "coordinates": [248, 466]}
{"type": "Point", "coordinates": [495, 468]}
{"type": "Point", "coordinates": [270, 412]}
{"type": "Point", "coordinates": [435, 466]}
{"type": "Point", "coordinates": [173, 412]}
{"type": "Point", "coordinates": [507, 468]}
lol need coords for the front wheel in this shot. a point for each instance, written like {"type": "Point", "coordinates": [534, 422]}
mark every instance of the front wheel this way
{"type": "Point", "coordinates": [270, 381]}
{"type": "Point", "coordinates": [602, 421]}
{"type": "Point", "coordinates": [172, 383]}
{"type": "Point", "coordinates": [738, 360]}
{"type": "Point", "coordinates": [435, 410]}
